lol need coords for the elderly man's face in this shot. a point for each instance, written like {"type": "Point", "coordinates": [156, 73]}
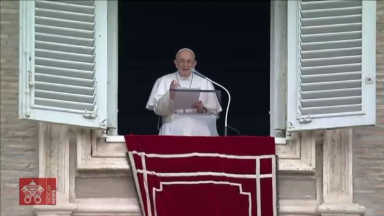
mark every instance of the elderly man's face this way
{"type": "Point", "coordinates": [184, 62]}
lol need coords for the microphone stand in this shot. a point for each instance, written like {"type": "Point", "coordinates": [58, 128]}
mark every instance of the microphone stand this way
{"type": "Point", "coordinates": [229, 100]}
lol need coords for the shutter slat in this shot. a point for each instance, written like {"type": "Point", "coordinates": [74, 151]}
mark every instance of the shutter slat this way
{"type": "Point", "coordinates": [331, 101]}
{"type": "Point", "coordinates": [64, 88]}
{"type": "Point", "coordinates": [331, 28]}
{"type": "Point", "coordinates": [329, 69]}
{"type": "Point", "coordinates": [64, 80]}
{"type": "Point", "coordinates": [319, 21]}
{"type": "Point", "coordinates": [63, 104]}
{"type": "Point", "coordinates": [64, 39]}
{"type": "Point", "coordinates": [64, 64]}
{"type": "Point", "coordinates": [64, 47]}
{"type": "Point", "coordinates": [330, 77]}
{"type": "Point", "coordinates": [331, 36]}
{"type": "Point", "coordinates": [40, 12]}
{"type": "Point", "coordinates": [313, 62]}
{"type": "Point", "coordinates": [64, 72]}
{"type": "Point", "coordinates": [64, 31]}
{"type": "Point", "coordinates": [331, 45]}
{"type": "Point", "coordinates": [330, 85]}
{"type": "Point", "coordinates": [64, 96]}
{"type": "Point", "coordinates": [79, 2]}
{"type": "Point", "coordinates": [66, 6]}
{"type": "Point", "coordinates": [317, 5]}
{"type": "Point", "coordinates": [331, 109]}
{"type": "Point", "coordinates": [64, 56]}
{"type": "Point", "coordinates": [331, 93]}
{"type": "Point", "coordinates": [331, 12]}
{"type": "Point", "coordinates": [45, 21]}
{"type": "Point", "coordinates": [330, 52]}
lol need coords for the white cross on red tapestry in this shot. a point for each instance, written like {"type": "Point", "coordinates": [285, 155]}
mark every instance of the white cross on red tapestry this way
{"type": "Point", "coordinates": [205, 176]}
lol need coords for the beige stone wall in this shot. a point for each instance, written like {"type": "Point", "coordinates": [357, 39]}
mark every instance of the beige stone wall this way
{"type": "Point", "coordinates": [368, 146]}
{"type": "Point", "coordinates": [19, 144]}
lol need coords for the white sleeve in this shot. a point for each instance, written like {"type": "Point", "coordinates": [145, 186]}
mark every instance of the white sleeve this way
{"type": "Point", "coordinates": [159, 101]}
{"type": "Point", "coordinates": [164, 105]}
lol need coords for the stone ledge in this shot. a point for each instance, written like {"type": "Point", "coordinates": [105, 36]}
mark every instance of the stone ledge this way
{"type": "Point", "coordinates": [130, 209]}
{"type": "Point", "coordinates": [54, 210]}
{"type": "Point", "coordinates": [341, 209]}
{"type": "Point", "coordinates": [298, 210]}
{"type": "Point", "coordinates": [108, 208]}
{"type": "Point", "coordinates": [87, 209]}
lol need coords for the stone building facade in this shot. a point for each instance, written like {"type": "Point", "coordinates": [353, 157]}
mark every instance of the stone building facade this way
{"type": "Point", "coordinates": [319, 172]}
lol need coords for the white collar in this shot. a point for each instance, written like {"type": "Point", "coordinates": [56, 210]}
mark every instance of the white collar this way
{"type": "Point", "coordinates": [189, 78]}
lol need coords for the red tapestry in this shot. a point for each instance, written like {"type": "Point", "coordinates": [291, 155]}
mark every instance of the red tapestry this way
{"type": "Point", "coordinates": [204, 176]}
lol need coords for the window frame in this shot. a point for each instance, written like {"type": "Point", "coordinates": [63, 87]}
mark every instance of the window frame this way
{"type": "Point", "coordinates": [113, 65]}
{"type": "Point", "coordinates": [277, 71]}
{"type": "Point", "coordinates": [100, 152]}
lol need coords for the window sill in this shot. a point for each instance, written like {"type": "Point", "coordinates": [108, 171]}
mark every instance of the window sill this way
{"type": "Point", "coordinates": [120, 139]}
{"type": "Point", "coordinates": [98, 152]}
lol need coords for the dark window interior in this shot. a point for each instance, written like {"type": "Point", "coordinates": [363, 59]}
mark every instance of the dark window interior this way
{"type": "Point", "coordinates": [231, 41]}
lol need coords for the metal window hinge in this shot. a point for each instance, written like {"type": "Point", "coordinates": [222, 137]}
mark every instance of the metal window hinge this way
{"type": "Point", "coordinates": [103, 123]}
{"type": "Point", "coordinates": [89, 114]}
{"type": "Point", "coordinates": [305, 119]}
{"type": "Point", "coordinates": [30, 78]}
{"type": "Point", "coordinates": [369, 79]}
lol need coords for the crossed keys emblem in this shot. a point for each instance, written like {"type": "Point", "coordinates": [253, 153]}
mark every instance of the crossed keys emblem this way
{"type": "Point", "coordinates": [32, 191]}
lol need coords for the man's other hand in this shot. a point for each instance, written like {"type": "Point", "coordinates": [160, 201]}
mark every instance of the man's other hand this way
{"type": "Point", "coordinates": [199, 106]}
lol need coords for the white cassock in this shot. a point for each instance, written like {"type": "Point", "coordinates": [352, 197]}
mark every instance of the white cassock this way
{"type": "Point", "coordinates": [161, 103]}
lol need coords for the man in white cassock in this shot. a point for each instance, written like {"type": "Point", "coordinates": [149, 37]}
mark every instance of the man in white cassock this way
{"type": "Point", "coordinates": [161, 100]}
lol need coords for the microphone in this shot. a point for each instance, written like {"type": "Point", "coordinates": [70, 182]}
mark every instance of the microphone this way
{"type": "Point", "coordinates": [229, 98]}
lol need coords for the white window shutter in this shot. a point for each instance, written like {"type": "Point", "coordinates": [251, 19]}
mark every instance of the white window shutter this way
{"type": "Point", "coordinates": [63, 62]}
{"type": "Point", "coordinates": [331, 64]}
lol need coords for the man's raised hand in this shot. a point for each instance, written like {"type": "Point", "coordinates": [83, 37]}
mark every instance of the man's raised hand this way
{"type": "Point", "coordinates": [173, 85]}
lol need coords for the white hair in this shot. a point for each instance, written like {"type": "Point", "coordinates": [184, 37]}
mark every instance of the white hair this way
{"type": "Point", "coordinates": [185, 49]}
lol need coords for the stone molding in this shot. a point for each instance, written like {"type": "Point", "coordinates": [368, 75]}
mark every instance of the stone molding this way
{"type": "Point", "coordinates": [95, 153]}
{"type": "Point", "coordinates": [60, 146]}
